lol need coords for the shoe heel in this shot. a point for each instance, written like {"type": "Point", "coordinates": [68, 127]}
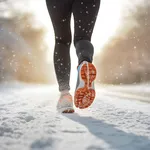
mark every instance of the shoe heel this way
{"type": "Point", "coordinates": [88, 74]}
{"type": "Point", "coordinates": [85, 96]}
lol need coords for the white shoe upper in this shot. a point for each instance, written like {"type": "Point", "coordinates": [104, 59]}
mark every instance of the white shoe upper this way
{"type": "Point", "coordinates": [65, 102]}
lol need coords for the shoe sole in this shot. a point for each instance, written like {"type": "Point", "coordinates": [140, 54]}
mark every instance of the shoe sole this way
{"type": "Point", "coordinates": [66, 110]}
{"type": "Point", "coordinates": [85, 95]}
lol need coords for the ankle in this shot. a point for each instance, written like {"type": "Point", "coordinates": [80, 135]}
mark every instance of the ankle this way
{"type": "Point", "coordinates": [64, 92]}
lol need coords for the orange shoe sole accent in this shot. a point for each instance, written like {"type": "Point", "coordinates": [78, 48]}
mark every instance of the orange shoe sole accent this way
{"type": "Point", "coordinates": [85, 96]}
{"type": "Point", "coordinates": [68, 111]}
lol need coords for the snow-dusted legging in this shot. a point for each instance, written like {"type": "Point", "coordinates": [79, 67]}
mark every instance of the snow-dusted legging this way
{"type": "Point", "coordinates": [85, 14]}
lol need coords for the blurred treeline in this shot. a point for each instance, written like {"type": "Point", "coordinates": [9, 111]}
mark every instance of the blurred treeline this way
{"type": "Point", "coordinates": [125, 59]}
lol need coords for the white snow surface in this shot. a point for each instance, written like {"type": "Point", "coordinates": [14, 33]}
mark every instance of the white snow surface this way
{"type": "Point", "coordinates": [117, 120]}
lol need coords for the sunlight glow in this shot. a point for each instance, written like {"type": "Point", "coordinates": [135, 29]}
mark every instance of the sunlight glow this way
{"type": "Point", "coordinates": [107, 22]}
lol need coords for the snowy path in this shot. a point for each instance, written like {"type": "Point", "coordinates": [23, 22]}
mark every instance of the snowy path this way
{"type": "Point", "coordinates": [29, 121]}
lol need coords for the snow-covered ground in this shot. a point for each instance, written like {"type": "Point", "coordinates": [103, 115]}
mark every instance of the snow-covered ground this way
{"type": "Point", "coordinates": [29, 120]}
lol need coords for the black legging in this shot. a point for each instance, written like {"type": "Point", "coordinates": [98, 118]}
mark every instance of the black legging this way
{"type": "Point", "coordinates": [85, 14]}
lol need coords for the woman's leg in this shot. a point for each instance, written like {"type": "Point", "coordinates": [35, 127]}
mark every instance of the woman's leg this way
{"type": "Point", "coordinates": [85, 14]}
{"type": "Point", "coordinates": [60, 13]}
